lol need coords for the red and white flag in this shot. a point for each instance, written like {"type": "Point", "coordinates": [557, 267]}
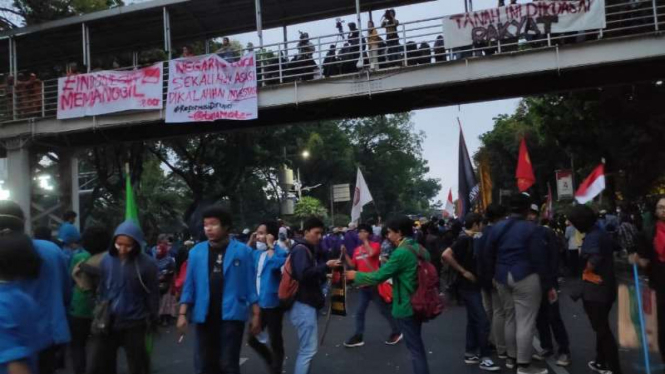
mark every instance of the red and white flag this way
{"type": "Point", "coordinates": [592, 186]}
{"type": "Point", "coordinates": [450, 206]}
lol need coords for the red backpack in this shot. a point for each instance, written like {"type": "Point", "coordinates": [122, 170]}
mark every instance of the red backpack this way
{"type": "Point", "coordinates": [289, 285]}
{"type": "Point", "coordinates": [426, 302]}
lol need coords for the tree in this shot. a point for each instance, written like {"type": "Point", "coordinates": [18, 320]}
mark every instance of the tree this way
{"type": "Point", "coordinates": [31, 12]}
{"type": "Point", "coordinates": [622, 125]}
{"type": "Point", "coordinates": [310, 207]}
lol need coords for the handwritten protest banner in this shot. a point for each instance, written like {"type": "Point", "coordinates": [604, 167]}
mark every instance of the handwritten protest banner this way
{"type": "Point", "coordinates": [535, 19]}
{"type": "Point", "coordinates": [110, 91]}
{"type": "Point", "coordinates": [209, 88]}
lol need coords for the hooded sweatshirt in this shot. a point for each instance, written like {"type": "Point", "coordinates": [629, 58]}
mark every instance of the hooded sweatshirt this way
{"type": "Point", "coordinates": [131, 286]}
{"type": "Point", "coordinates": [69, 234]}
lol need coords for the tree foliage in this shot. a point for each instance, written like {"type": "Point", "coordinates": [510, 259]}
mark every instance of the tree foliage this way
{"type": "Point", "coordinates": [31, 12]}
{"type": "Point", "coordinates": [310, 206]}
{"type": "Point", "coordinates": [622, 125]}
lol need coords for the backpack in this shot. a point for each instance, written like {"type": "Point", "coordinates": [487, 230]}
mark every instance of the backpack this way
{"type": "Point", "coordinates": [426, 302]}
{"type": "Point", "coordinates": [289, 285]}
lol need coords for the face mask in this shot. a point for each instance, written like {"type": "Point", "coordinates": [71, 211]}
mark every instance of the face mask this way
{"type": "Point", "coordinates": [261, 246]}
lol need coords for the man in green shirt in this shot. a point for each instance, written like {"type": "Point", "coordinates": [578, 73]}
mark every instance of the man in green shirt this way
{"type": "Point", "coordinates": [402, 268]}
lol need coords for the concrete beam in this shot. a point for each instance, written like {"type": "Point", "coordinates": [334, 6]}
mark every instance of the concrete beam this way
{"type": "Point", "coordinates": [20, 182]}
{"type": "Point", "coordinates": [578, 66]}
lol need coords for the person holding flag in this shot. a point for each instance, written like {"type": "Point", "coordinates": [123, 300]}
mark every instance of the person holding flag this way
{"type": "Point", "coordinates": [129, 291]}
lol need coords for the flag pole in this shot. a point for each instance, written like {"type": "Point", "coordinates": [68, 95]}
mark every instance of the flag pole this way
{"type": "Point", "coordinates": [638, 295]}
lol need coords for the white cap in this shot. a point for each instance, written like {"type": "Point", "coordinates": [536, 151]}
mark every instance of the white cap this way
{"type": "Point", "coordinates": [534, 207]}
{"type": "Point", "coordinates": [245, 231]}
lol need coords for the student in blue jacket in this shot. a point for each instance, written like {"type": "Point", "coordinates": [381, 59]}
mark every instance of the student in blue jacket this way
{"type": "Point", "coordinates": [129, 283]}
{"type": "Point", "coordinates": [51, 290]}
{"type": "Point", "coordinates": [269, 258]}
{"type": "Point", "coordinates": [220, 287]}
{"type": "Point", "coordinates": [18, 311]}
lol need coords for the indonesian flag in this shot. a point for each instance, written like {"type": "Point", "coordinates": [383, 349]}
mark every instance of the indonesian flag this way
{"type": "Point", "coordinates": [360, 198]}
{"type": "Point", "coordinates": [592, 186]}
{"type": "Point", "coordinates": [524, 173]}
{"type": "Point", "coordinates": [450, 206]}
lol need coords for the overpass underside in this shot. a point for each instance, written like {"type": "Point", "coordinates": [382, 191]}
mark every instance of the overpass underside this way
{"type": "Point", "coordinates": [586, 65]}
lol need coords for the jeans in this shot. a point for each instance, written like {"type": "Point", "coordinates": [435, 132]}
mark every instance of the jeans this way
{"type": "Point", "coordinates": [521, 301]}
{"type": "Point", "coordinates": [549, 323]}
{"type": "Point", "coordinates": [304, 319]}
{"type": "Point", "coordinates": [497, 318]}
{"type": "Point", "coordinates": [607, 351]}
{"type": "Point", "coordinates": [412, 328]}
{"type": "Point", "coordinates": [366, 295]}
{"type": "Point", "coordinates": [273, 356]}
{"type": "Point", "coordinates": [219, 345]}
{"type": "Point", "coordinates": [80, 329]}
{"type": "Point", "coordinates": [477, 324]}
{"type": "Point", "coordinates": [105, 351]}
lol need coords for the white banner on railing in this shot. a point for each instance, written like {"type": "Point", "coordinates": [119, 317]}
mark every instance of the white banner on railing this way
{"type": "Point", "coordinates": [537, 19]}
{"type": "Point", "coordinates": [208, 88]}
{"type": "Point", "coordinates": [106, 92]}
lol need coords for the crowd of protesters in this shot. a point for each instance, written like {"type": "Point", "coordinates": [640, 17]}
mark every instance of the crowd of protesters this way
{"type": "Point", "coordinates": [92, 294]}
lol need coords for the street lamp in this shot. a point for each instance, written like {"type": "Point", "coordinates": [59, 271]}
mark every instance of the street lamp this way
{"type": "Point", "coordinates": [305, 154]}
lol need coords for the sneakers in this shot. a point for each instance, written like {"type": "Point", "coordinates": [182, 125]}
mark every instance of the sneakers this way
{"type": "Point", "coordinates": [394, 339]}
{"type": "Point", "coordinates": [511, 362]}
{"type": "Point", "coordinates": [598, 368]}
{"type": "Point", "coordinates": [531, 370]}
{"type": "Point", "coordinates": [489, 365]}
{"type": "Point", "coordinates": [563, 360]}
{"type": "Point", "coordinates": [354, 341]}
{"type": "Point", "coordinates": [542, 355]}
{"type": "Point", "coordinates": [503, 356]}
{"type": "Point", "coordinates": [471, 360]}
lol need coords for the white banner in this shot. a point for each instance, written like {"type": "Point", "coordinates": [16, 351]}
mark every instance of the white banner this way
{"type": "Point", "coordinates": [564, 184]}
{"type": "Point", "coordinates": [535, 19]}
{"type": "Point", "coordinates": [105, 92]}
{"type": "Point", "coordinates": [209, 88]}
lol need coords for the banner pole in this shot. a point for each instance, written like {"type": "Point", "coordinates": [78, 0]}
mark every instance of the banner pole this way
{"type": "Point", "coordinates": [638, 295]}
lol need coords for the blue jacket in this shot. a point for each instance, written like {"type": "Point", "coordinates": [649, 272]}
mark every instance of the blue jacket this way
{"type": "Point", "coordinates": [130, 301]}
{"type": "Point", "coordinates": [517, 250]}
{"type": "Point", "coordinates": [239, 282]}
{"type": "Point", "coordinates": [52, 292]}
{"type": "Point", "coordinates": [270, 277]}
{"type": "Point", "coordinates": [18, 331]}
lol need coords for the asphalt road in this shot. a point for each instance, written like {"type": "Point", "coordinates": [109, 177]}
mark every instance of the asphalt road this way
{"type": "Point", "coordinates": [444, 340]}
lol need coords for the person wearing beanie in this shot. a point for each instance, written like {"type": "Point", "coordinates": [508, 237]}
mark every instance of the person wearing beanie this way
{"type": "Point", "coordinates": [129, 285]}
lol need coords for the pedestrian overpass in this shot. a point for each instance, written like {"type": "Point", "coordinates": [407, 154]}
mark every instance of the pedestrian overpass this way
{"type": "Point", "coordinates": [631, 49]}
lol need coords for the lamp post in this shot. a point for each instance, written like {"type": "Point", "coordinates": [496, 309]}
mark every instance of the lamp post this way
{"type": "Point", "coordinates": [305, 155]}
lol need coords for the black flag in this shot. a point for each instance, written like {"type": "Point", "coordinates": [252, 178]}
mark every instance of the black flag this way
{"type": "Point", "coordinates": [468, 186]}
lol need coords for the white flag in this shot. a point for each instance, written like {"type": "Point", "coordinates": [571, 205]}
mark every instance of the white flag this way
{"type": "Point", "coordinates": [360, 197]}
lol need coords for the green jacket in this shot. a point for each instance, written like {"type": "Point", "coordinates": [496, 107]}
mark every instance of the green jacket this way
{"type": "Point", "coordinates": [402, 268]}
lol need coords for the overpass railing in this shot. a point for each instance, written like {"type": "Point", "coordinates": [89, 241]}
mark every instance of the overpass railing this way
{"type": "Point", "coordinates": [413, 43]}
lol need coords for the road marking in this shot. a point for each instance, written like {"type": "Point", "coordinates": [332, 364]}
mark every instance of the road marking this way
{"type": "Point", "coordinates": [551, 362]}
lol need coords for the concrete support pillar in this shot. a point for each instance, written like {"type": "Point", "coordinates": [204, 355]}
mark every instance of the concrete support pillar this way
{"type": "Point", "coordinates": [69, 183]}
{"type": "Point", "coordinates": [19, 182]}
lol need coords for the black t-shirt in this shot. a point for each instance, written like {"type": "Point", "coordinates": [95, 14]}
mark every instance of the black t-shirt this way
{"type": "Point", "coordinates": [216, 280]}
{"type": "Point", "coordinates": [465, 256]}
